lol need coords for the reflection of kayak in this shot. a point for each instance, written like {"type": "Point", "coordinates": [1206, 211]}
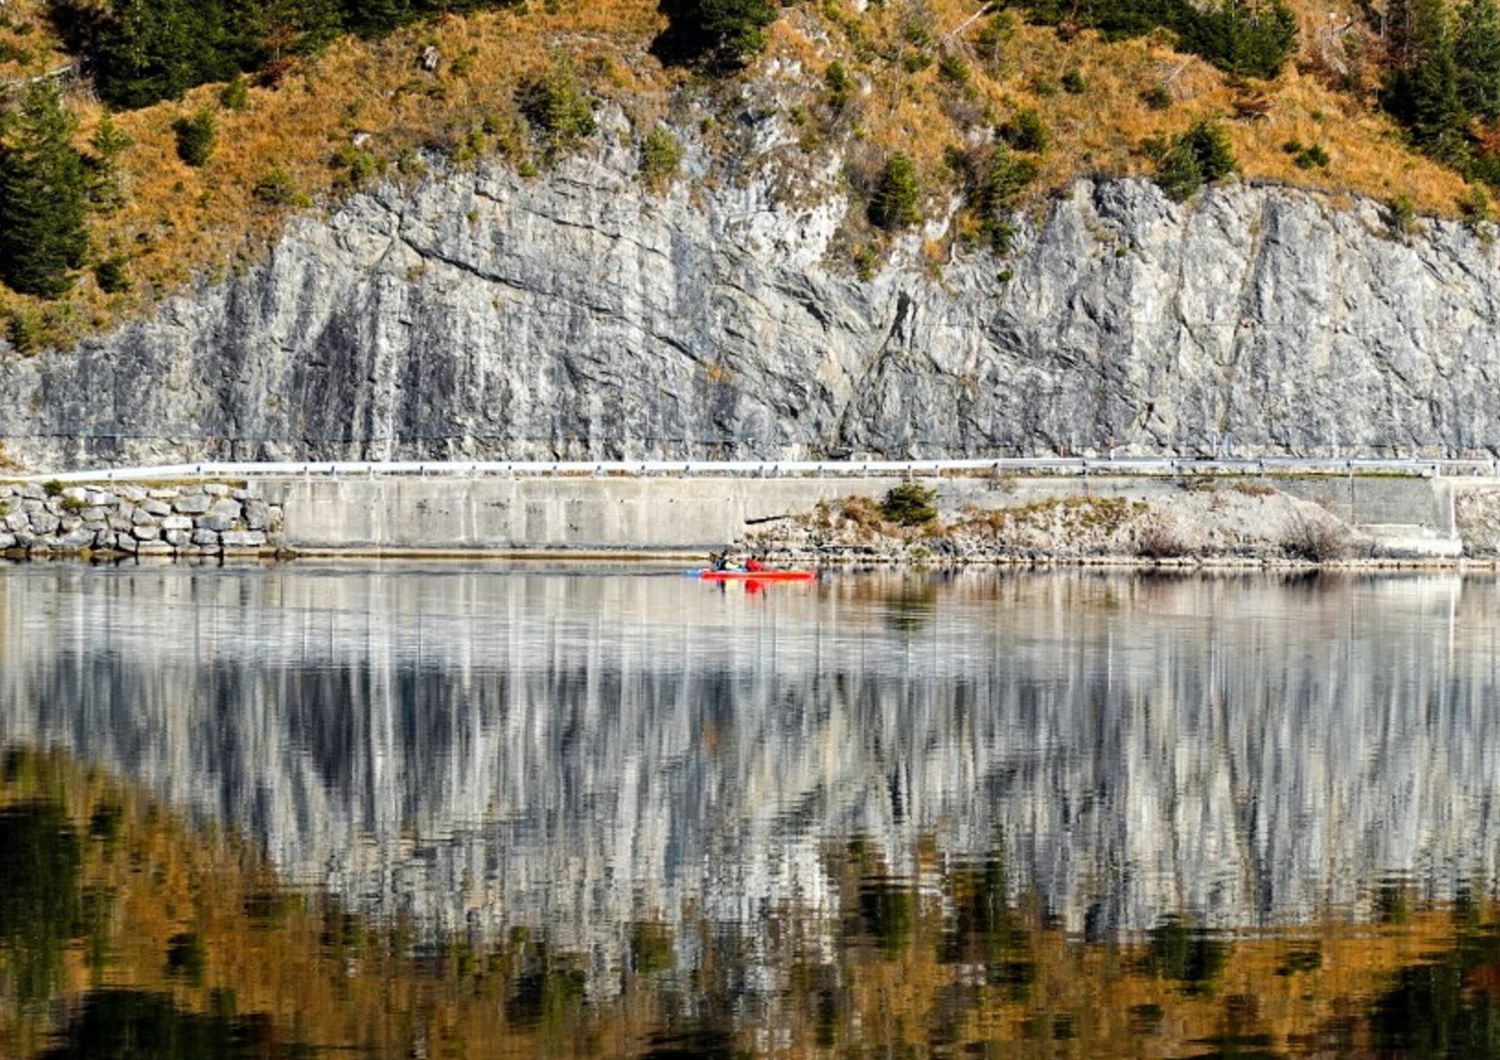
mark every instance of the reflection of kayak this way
{"type": "Point", "coordinates": [758, 575]}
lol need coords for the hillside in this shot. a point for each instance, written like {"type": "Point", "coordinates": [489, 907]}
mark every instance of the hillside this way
{"type": "Point", "coordinates": [840, 87]}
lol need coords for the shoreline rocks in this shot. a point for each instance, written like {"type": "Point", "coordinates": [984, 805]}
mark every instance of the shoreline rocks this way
{"type": "Point", "coordinates": [192, 519]}
{"type": "Point", "coordinates": [1244, 525]}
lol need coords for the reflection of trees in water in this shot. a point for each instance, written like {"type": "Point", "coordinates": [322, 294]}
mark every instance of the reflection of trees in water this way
{"type": "Point", "coordinates": [951, 957]}
{"type": "Point", "coordinates": [113, 1024]}
{"type": "Point", "coordinates": [913, 604]}
{"type": "Point", "coordinates": [41, 898]}
{"type": "Point", "coordinates": [1446, 1005]}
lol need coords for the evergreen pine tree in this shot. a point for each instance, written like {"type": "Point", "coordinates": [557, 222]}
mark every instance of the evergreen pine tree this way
{"type": "Point", "coordinates": [303, 25]}
{"type": "Point", "coordinates": [897, 200]}
{"type": "Point", "coordinates": [375, 17]}
{"type": "Point", "coordinates": [144, 52]}
{"type": "Point", "coordinates": [109, 141]}
{"type": "Point", "coordinates": [720, 33]}
{"type": "Point", "coordinates": [1476, 50]}
{"type": "Point", "coordinates": [1437, 113]}
{"type": "Point", "coordinates": [197, 136]}
{"type": "Point", "coordinates": [1201, 155]}
{"type": "Point", "coordinates": [43, 196]}
{"type": "Point", "coordinates": [1396, 32]}
{"type": "Point", "coordinates": [149, 50]}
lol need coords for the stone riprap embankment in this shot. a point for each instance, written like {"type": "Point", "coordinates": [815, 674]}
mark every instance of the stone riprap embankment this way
{"type": "Point", "coordinates": [194, 519]}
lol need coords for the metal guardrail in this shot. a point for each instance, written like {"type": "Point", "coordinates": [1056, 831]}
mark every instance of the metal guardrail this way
{"type": "Point", "coordinates": [781, 468]}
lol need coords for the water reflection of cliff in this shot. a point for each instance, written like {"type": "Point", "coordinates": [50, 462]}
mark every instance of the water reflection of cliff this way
{"type": "Point", "coordinates": [482, 751]}
{"type": "Point", "coordinates": [126, 933]}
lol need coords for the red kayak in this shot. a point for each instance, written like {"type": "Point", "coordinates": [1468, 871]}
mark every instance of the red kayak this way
{"type": "Point", "coordinates": [758, 575]}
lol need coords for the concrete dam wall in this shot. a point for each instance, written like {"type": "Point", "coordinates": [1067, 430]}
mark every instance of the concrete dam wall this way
{"type": "Point", "coordinates": [611, 514]}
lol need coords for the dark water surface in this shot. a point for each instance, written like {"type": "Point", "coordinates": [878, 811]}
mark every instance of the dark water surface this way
{"type": "Point", "coordinates": [456, 812]}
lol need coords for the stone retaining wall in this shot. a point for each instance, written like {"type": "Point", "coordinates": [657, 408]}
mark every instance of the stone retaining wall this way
{"type": "Point", "coordinates": [193, 519]}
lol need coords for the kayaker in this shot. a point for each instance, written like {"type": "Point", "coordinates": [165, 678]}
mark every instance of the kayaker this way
{"type": "Point", "coordinates": [721, 560]}
{"type": "Point", "coordinates": [752, 564]}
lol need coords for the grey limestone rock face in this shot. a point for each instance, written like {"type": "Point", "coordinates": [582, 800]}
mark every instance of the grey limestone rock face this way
{"type": "Point", "coordinates": [482, 315]}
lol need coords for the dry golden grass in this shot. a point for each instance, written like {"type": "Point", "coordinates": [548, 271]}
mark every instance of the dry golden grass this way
{"type": "Point", "coordinates": [182, 222]}
{"type": "Point", "coordinates": [28, 47]}
{"type": "Point", "coordinates": [1100, 131]}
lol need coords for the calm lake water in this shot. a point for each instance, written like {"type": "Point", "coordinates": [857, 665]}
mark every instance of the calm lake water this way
{"type": "Point", "coordinates": [412, 812]}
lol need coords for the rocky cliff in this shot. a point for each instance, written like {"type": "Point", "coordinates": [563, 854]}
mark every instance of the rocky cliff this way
{"type": "Point", "coordinates": [482, 314]}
